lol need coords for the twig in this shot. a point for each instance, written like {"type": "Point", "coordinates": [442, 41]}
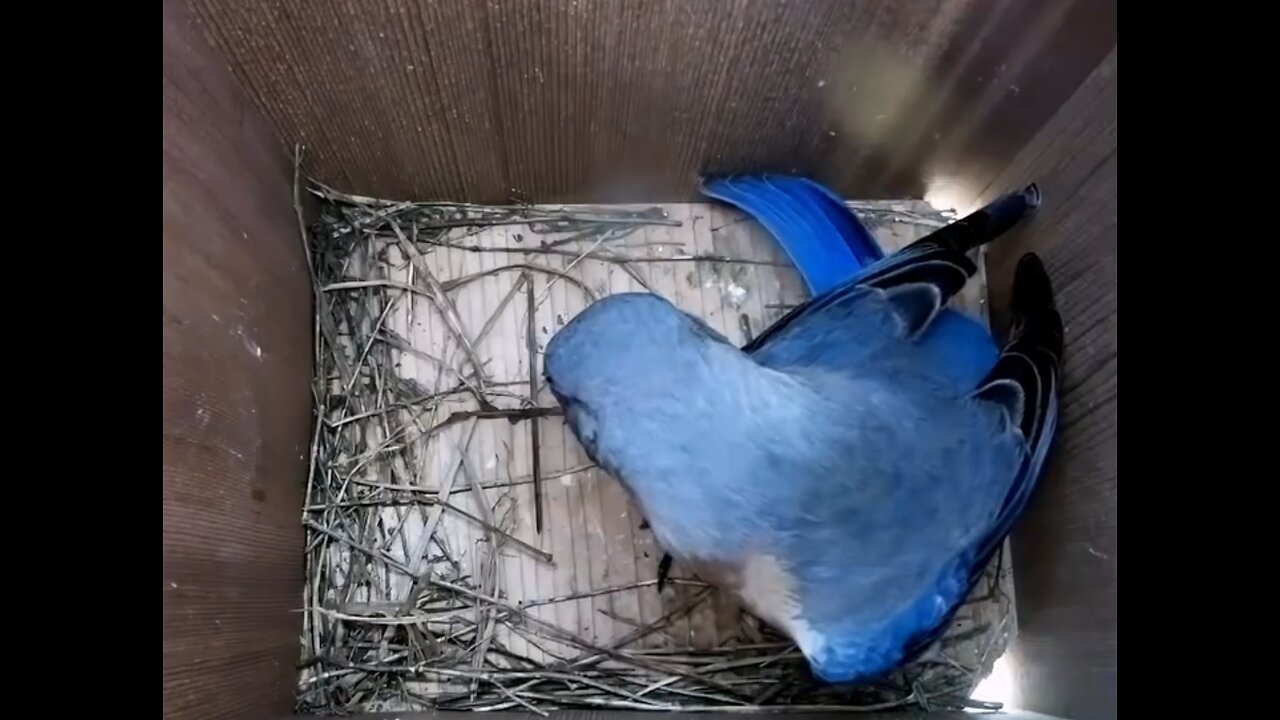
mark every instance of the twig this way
{"type": "Point", "coordinates": [684, 257]}
{"type": "Point", "coordinates": [547, 290]}
{"type": "Point", "coordinates": [311, 622]}
{"type": "Point", "coordinates": [502, 305]}
{"type": "Point", "coordinates": [415, 560]}
{"type": "Point", "coordinates": [446, 307]}
{"type": "Point", "coordinates": [531, 346]}
{"type": "Point", "coordinates": [605, 591]}
{"type": "Point", "coordinates": [512, 415]}
{"type": "Point", "coordinates": [523, 268]}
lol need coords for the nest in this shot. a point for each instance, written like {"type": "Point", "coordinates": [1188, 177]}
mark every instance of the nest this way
{"type": "Point", "coordinates": [402, 613]}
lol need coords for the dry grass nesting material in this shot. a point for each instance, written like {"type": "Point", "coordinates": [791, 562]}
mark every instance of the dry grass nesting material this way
{"type": "Point", "coordinates": [398, 614]}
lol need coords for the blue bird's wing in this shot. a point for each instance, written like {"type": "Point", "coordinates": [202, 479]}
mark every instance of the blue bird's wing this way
{"type": "Point", "coordinates": [945, 502]}
{"type": "Point", "coordinates": [1023, 386]}
{"type": "Point", "coordinates": [900, 297]}
{"type": "Point", "coordinates": [917, 282]}
{"type": "Point", "coordinates": [893, 316]}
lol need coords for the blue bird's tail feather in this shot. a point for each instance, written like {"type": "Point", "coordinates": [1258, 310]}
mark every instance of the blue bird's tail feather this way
{"type": "Point", "coordinates": [825, 241]}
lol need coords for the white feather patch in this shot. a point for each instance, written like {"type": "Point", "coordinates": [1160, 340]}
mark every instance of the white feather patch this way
{"type": "Point", "coordinates": [770, 591]}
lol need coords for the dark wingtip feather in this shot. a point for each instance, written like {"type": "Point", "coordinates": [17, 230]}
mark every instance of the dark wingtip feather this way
{"type": "Point", "coordinates": [1025, 379]}
{"type": "Point", "coordinates": [1024, 383]}
{"type": "Point", "coordinates": [1032, 287]}
{"type": "Point", "coordinates": [1037, 322]}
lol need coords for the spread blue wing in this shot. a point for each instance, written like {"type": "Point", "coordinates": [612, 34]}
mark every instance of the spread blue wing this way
{"type": "Point", "coordinates": [848, 323]}
{"type": "Point", "coordinates": [1023, 384]}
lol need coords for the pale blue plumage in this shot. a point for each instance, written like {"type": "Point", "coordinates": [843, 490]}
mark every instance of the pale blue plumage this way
{"type": "Point", "coordinates": [848, 473]}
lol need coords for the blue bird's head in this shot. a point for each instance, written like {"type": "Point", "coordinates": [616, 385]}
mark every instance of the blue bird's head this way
{"type": "Point", "coordinates": [625, 351]}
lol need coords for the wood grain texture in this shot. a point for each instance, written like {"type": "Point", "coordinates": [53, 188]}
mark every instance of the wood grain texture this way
{"type": "Point", "coordinates": [236, 400]}
{"type": "Point", "coordinates": [613, 101]}
{"type": "Point", "coordinates": [1065, 563]}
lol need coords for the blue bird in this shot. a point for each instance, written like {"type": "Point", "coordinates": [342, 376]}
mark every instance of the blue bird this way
{"type": "Point", "coordinates": [831, 473]}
